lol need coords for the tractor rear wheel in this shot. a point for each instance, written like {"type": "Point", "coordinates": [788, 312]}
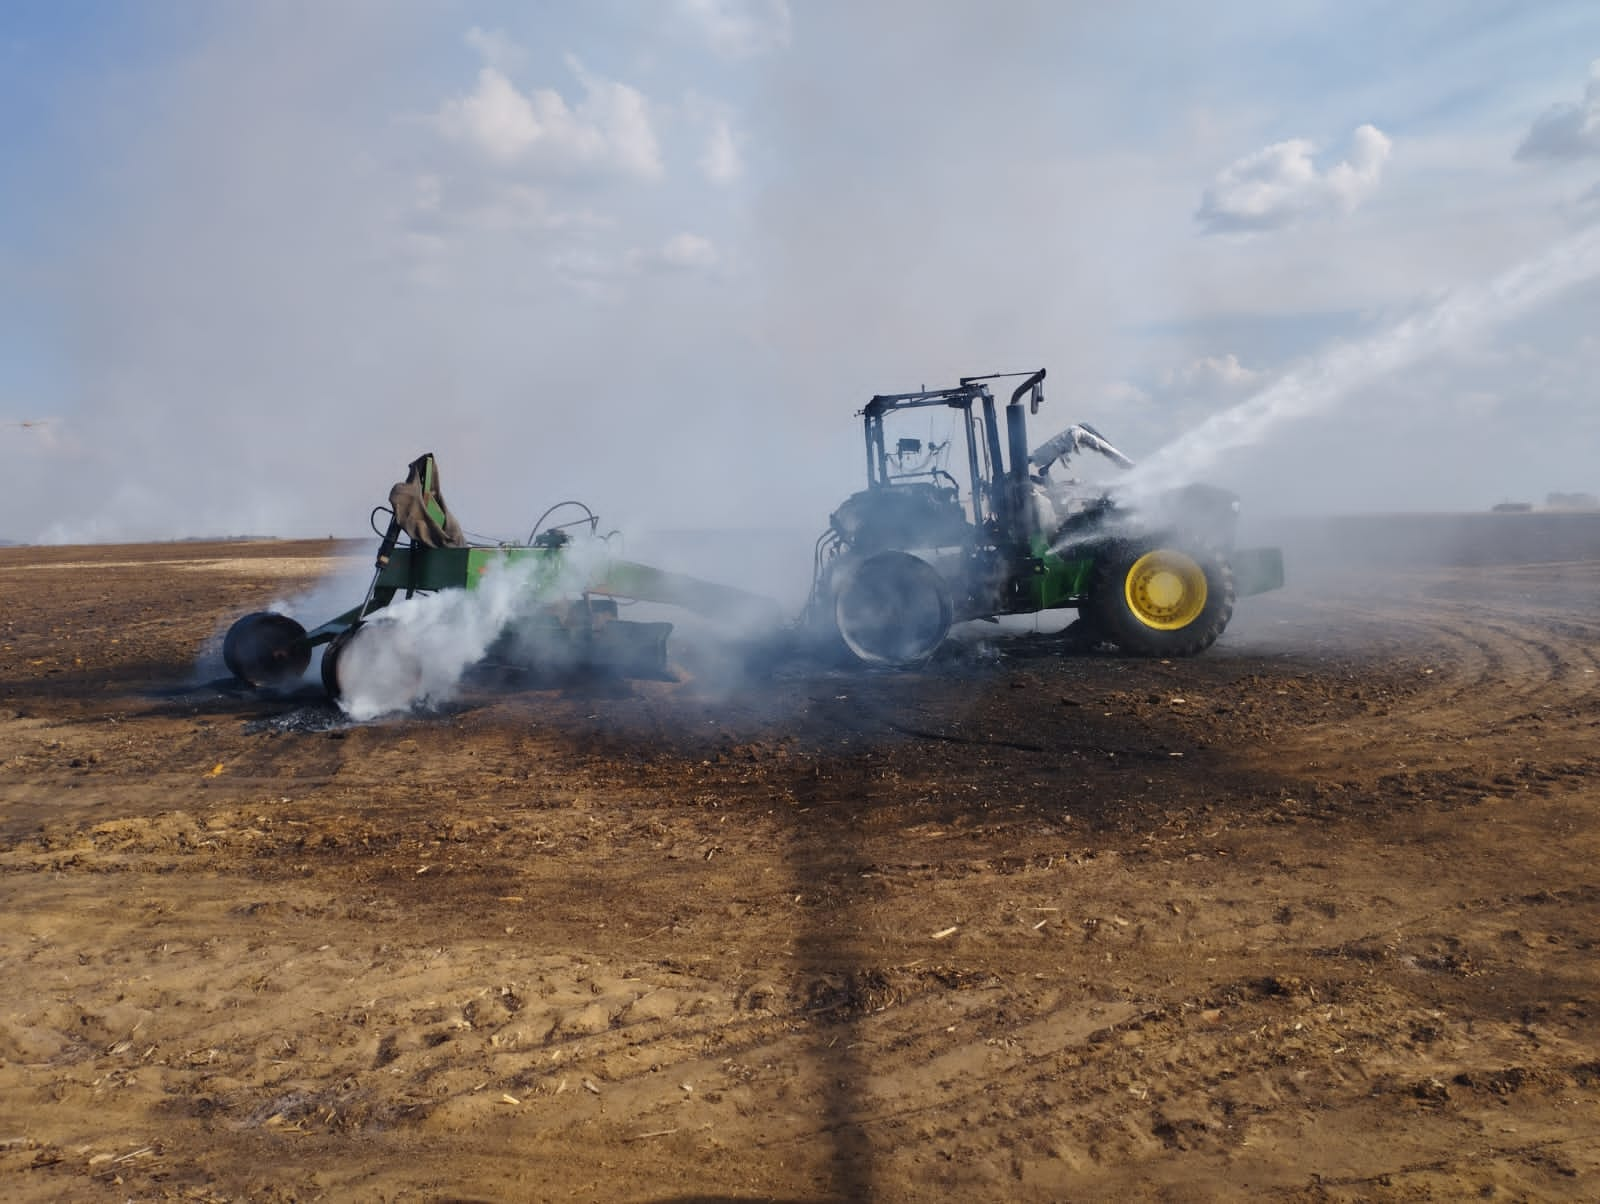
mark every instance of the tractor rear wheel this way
{"type": "Point", "coordinates": [266, 649]}
{"type": "Point", "coordinates": [892, 609]}
{"type": "Point", "coordinates": [1153, 597]}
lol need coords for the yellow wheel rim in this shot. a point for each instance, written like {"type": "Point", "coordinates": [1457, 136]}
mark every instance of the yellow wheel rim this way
{"type": "Point", "coordinates": [1166, 589]}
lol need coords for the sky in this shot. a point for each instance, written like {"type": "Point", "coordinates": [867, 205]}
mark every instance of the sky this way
{"type": "Point", "coordinates": [256, 257]}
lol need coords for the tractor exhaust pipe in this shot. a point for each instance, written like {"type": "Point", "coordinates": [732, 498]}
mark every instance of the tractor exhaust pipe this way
{"type": "Point", "coordinates": [1017, 439]}
{"type": "Point", "coordinates": [1034, 385]}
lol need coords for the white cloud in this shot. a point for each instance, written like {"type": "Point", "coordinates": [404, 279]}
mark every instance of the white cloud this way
{"type": "Point", "coordinates": [496, 48]}
{"type": "Point", "coordinates": [721, 160]}
{"type": "Point", "coordinates": [1570, 130]}
{"type": "Point", "coordinates": [1279, 185]}
{"type": "Point", "coordinates": [622, 114]}
{"type": "Point", "coordinates": [497, 119]}
{"type": "Point", "coordinates": [1351, 182]}
{"type": "Point", "coordinates": [739, 28]}
{"type": "Point", "coordinates": [609, 129]}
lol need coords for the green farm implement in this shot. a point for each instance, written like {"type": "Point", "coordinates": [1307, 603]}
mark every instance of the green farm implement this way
{"type": "Point", "coordinates": [556, 608]}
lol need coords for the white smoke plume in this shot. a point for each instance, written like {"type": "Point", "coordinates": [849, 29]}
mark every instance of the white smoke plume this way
{"type": "Point", "coordinates": [415, 651]}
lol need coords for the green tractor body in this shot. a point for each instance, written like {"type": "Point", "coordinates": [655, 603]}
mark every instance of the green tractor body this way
{"type": "Point", "coordinates": [916, 546]}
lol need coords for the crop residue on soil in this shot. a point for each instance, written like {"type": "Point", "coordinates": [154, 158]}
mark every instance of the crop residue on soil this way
{"type": "Point", "coordinates": [1311, 917]}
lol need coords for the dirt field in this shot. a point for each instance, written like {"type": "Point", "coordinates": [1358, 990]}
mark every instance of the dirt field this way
{"type": "Point", "coordinates": [1311, 917]}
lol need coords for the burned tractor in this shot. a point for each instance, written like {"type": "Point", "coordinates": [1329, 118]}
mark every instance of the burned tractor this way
{"type": "Point", "coordinates": [564, 584]}
{"type": "Point", "coordinates": [915, 551]}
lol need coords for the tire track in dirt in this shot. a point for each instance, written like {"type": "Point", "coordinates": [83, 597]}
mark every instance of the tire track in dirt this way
{"type": "Point", "coordinates": [1509, 680]}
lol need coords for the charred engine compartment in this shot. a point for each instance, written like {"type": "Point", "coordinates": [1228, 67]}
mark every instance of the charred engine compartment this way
{"type": "Point", "coordinates": [909, 514]}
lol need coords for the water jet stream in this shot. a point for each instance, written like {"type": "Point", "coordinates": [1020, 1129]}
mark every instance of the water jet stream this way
{"type": "Point", "coordinates": [1316, 386]}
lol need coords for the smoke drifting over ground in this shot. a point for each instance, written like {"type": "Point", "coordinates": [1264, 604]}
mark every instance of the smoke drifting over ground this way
{"type": "Point", "coordinates": [523, 624]}
{"type": "Point", "coordinates": [416, 650]}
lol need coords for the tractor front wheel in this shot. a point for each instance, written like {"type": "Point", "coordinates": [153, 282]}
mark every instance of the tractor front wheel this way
{"type": "Point", "coordinates": [266, 649]}
{"type": "Point", "coordinates": [1153, 598]}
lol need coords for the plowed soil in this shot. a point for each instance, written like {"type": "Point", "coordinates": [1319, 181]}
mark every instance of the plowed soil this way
{"type": "Point", "coordinates": [1310, 917]}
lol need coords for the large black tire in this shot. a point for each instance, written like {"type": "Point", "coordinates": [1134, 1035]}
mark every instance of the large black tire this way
{"type": "Point", "coordinates": [892, 609]}
{"type": "Point", "coordinates": [1161, 597]}
{"type": "Point", "coordinates": [330, 660]}
{"type": "Point", "coordinates": [368, 671]}
{"type": "Point", "coordinates": [266, 649]}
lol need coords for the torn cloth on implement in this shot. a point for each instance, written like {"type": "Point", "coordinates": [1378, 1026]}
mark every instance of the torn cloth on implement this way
{"type": "Point", "coordinates": [420, 510]}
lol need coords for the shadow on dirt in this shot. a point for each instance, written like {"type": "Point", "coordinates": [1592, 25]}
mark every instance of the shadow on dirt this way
{"type": "Point", "coordinates": [830, 959]}
{"type": "Point", "coordinates": [991, 747]}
